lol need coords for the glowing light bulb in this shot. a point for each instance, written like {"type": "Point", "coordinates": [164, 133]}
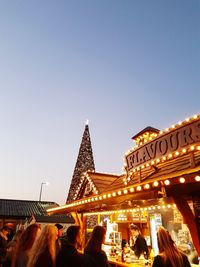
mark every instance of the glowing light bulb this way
{"type": "Point", "coordinates": [197, 178]}
{"type": "Point", "coordinates": [182, 180]}
{"type": "Point", "coordinates": [147, 186]}
{"type": "Point", "coordinates": [167, 182]}
{"type": "Point", "coordinates": [156, 183]}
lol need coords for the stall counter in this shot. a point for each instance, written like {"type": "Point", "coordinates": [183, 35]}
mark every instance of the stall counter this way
{"type": "Point", "coordinates": [117, 263]}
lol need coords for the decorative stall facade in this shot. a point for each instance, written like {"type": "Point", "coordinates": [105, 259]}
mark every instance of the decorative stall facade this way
{"type": "Point", "coordinates": [160, 185]}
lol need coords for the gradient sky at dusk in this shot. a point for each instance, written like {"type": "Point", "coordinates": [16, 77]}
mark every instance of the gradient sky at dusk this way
{"type": "Point", "coordinates": [122, 64]}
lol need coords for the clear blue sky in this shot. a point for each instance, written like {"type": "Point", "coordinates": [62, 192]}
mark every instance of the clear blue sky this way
{"type": "Point", "coordinates": [122, 64]}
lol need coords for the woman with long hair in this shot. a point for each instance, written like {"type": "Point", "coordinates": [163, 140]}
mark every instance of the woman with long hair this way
{"type": "Point", "coordinates": [43, 252]}
{"type": "Point", "coordinates": [169, 255]}
{"type": "Point", "coordinates": [94, 256]}
{"type": "Point", "coordinates": [24, 245]}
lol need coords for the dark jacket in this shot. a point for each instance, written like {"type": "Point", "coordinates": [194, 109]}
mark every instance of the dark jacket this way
{"type": "Point", "coordinates": [97, 259]}
{"type": "Point", "coordinates": [68, 256]}
{"type": "Point", "coordinates": [44, 259]}
{"type": "Point", "coordinates": [140, 246]}
{"type": "Point", "coordinates": [158, 262]}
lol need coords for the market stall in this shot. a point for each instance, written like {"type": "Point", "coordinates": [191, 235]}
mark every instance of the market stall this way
{"type": "Point", "coordinates": [160, 186]}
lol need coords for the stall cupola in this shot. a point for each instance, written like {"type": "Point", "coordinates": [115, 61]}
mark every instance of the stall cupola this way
{"type": "Point", "coordinates": [146, 134]}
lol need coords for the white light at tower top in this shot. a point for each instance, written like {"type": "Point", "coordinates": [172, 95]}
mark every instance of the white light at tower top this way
{"type": "Point", "coordinates": [87, 122]}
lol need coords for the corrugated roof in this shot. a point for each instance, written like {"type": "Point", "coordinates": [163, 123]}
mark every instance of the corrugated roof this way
{"type": "Point", "coordinates": [24, 208]}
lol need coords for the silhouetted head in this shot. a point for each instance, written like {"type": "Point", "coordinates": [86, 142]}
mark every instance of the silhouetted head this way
{"type": "Point", "coordinates": [73, 233]}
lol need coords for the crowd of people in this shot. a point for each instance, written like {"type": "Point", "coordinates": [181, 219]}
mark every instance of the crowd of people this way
{"type": "Point", "coordinates": [48, 247]}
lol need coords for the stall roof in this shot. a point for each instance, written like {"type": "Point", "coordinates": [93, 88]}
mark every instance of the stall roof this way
{"type": "Point", "coordinates": [102, 181]}
{"type": "Point", "coordinates": [24, 208]}
{"type": "Point", "coordinates": [147, 129]}
{"type": "Point", "coordinates": [187, 166]}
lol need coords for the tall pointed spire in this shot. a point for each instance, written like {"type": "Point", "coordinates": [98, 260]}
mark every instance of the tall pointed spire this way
{"type": "Point", "coordinates": [84, 162]}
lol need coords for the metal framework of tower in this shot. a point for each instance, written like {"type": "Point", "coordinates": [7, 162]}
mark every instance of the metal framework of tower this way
{"type": "Point", "coordinates": [84, 163]}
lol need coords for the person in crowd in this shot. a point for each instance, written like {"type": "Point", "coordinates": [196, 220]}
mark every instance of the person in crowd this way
{"type": "Point", "coordinates": [138, 242]}
{"type": "Point", "coordinates": [169, 255]}
{"type": "Point", "coordinates": [11, 248]}
{"type": "Point", "coordinates": [68, 255]}
{"type": "Point", "coordinates": [43, 252]}
{"type": "Point", "coordinates": [24, 245]}
{"type": "Point", "coordinates": [3, 243]}
{"type": "Point", "coordinates": [60, 229]}
{"type": "Point", "coordinates": [94, 256]}
{"type": "Point", "coordinates": [60, 234]}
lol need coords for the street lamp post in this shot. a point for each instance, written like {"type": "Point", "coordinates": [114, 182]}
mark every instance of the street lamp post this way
{"type": "Point", "coordinates": [41, 189]}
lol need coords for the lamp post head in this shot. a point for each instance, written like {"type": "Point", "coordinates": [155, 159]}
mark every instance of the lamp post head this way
{"type": "Point", "coordinates": [47, 183]}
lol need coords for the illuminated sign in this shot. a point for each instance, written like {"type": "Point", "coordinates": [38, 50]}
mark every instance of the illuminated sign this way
{"type": "Point", "coordinates": [168, 143]}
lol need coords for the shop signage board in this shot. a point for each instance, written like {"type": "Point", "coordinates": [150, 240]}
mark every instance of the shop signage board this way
{"type": "Point", "coordinates": [174, 140]}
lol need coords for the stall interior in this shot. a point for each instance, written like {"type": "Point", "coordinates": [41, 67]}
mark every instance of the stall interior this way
{"type": "Point", "coordinates": [148, 220]}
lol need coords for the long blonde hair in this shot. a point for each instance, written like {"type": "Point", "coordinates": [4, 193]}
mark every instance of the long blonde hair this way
{"type": "Point", "coordinates": [25, 242]}
{"type": "Point", "coordinates": [46, 240]}
{"type": "Point", "coordinates": [168, 249]}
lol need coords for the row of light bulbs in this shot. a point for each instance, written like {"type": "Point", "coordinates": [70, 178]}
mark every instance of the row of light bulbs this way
{"type": "Point", "coordinates": [149, 208]}
{"type": "Point", "coordinates": [174, 126]}
{"type": "Point", "coordinates": [85, 174]}
{"type": "Point", "coordinates": [121, 192]}
{"type": "Point", "coordinates": [159, 160]}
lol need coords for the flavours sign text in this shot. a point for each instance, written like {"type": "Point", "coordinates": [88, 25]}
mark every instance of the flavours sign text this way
{"type": "Point", "coordinates": [168, 143]}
